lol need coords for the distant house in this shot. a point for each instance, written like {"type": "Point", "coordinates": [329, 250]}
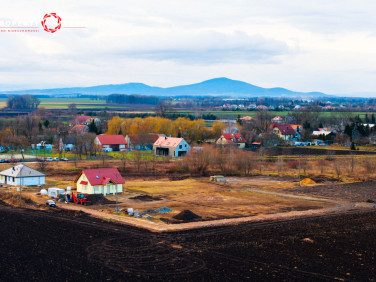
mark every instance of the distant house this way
{"type": "Point", "coordinates": [171, 147]}
{"type": "Point", "coordinates": [277, 119]}
{"type": "Point", "coordinates": [323, 133]}
{"type": "Point", "coordinates": [142, 141]}
{"type": "Point", "coordinates": [284, 131]}
{"type": "Point", "coordinates": [67, 143]}
{"type": "Point", "coordinates": [262, 107]}
{"type": "Point", "coordinates": [111, 142]}
{"type": "Point", "coordinates": [79, 129]}
{"type": "Point", "coordinates": [100, 181]}
{"type": "Point", "coordinates": [246, 119]}
{"type": "Point", "coordinates": [42, 146]}
{"type": "Point", "coordinates": [231, 139]}
{"type": "Point", "coordinates": [22, 175]}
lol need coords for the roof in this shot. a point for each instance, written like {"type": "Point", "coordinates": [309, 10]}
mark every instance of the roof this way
{"type": "Point", "coordinates": [296, 126]}
{"type": "Point", "coordinates": [285, 129]}
{"type": "Point", "coordinates": [143, 138]}
{"type": "Point", "coordinates": [79, 127]}
{"type": "Point", "coordinates": [102, 176]}
{"type": "Point", "coordinates": [247, 118]}
{"type": "Point", "coordinates": [168, 142]}
{"type": "Point", "coordinates": [112, 139]}
{"type": "Point", "coordinates": [277, 118]}
{"type": "Point", "coordinates": [21, 170]}
{"type": "Point", "coordinates": [321, 132]}
{"type": "Point", "coordinates": [230, 136]}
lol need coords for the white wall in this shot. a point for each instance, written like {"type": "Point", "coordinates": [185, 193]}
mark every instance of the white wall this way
{"type": "Point", "coordinates": [25, 181]}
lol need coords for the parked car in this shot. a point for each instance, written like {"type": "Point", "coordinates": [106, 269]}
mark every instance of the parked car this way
{"type": "Point", "coordinates": [56, 159]}
{"type": "Point", "coordinates": [51, 203]}
{"type": "Point", "coordinates": [2, 161]}
{"type": "Point", "coordinates": [49, 159]}
{"type": "Point", "coordinates": [7, 161]}
{"type": "Point", "coordinates": [64, 159]}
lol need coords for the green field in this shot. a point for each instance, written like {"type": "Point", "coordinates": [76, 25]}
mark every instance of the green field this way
{"type": "Point", "coordinates": [62, 103]}
{"type": "Point", "coordinates": [234, 114]}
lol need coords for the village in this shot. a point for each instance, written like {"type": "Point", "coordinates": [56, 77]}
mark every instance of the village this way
{"type": "Point", "coordinates": [156, 181]}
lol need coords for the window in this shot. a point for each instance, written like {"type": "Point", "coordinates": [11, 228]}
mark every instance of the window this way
{"type": "Point", "coordinates": [13, 179]}
{"type": "Point", "coordinates": [97, 176]}
{"type": "Point", "coordinates": [180, 146]}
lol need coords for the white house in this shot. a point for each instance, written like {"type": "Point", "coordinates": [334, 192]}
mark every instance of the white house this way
{"type": "Point", "coordinates": [22, 175]}
{"type": "Point", "coordinates": [171, 147]}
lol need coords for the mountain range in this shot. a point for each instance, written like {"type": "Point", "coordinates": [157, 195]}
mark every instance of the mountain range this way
{"type": "Point", "coordinates": [214, 87]}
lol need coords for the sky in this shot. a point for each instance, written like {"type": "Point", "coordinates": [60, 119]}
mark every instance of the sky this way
{"type": "Point", "coordinates": [327, 46]}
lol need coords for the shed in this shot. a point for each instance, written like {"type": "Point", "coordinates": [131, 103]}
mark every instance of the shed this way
{"type": "Point", "coordinates": [54, 192]}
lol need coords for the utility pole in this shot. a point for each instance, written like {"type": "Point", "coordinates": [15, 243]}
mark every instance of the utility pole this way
{"type": "Point", "coordinates": [20, 188]}
{"type": "Point", "coordinates": [117, 208]}
{"type": "Point", "coordinates": [299, 171]}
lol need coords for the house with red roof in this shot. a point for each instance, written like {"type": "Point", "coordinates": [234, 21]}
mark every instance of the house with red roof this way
{"type": "Point", "coordinates": [231, 139]}
{"type": "Point", "coordinates": [110, 143]}
{"type": "Point", "coordinates": [170, 147]}
{"type": "Point", "coordinates": [284, 131]}
{"type": "Point", "coordinates": [99, 181]}
{"type": "Point", "coordinates": [142, 141]}
{"type": "Point", "coordinates": [79, 129]}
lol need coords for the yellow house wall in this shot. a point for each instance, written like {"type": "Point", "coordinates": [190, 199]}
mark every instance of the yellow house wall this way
{"type": "Point", "coordinates": [98, 189]}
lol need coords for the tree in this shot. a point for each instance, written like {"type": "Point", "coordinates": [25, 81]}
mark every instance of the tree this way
{"type": "Point", "coordinates": [92, 127]}
{"type": "Point", "coordinates": [72, 109]}
{"type": "Point", "coordinates": [23, 102]}
{"type": "Point", "coordinates": [162, 108]}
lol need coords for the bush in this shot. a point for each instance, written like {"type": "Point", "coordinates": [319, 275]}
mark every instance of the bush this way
{"type": "Point", "coordinates": [293, 164]}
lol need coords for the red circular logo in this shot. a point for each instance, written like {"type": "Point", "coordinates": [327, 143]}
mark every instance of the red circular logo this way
{"type": "Point", "coordinates": [46, 17]}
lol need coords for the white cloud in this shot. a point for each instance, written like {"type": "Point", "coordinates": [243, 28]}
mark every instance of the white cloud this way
{"type": "Point", "coordinates": [318, 45]}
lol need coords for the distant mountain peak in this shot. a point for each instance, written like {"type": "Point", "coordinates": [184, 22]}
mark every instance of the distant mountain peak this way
{"type": "Point", "coordinates": [220, 86]}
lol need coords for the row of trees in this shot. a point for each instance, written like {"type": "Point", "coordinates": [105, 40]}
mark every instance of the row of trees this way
{"type": "Point", "coordinates": [191, 130]}
{"type": "Point", "coordinates": [23, 102]}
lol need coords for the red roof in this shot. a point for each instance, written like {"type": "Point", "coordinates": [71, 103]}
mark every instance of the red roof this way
{"type": "Point", "coordinates": [101, 176]}
{"type": "Point", "coordinates": [231, 136]}
{"type": "Point", "coordinates": [285, 129]}
{"type": "Point", "coordinates": [112, 139]}
{"type": "Point", "coordinates": [143, 138]}
{"type": "Point", "coordinates": [79, 127]}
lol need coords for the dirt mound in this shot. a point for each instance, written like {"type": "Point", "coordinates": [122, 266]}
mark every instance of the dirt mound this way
{"type": "Point", "coordinates": [186, 215]}
{"type": "Point", "coordinates": [146, 198]}
{"type": "Point", "coordinates": [307, 181]}
{"type": "Point", "coordinates": [99, 199]}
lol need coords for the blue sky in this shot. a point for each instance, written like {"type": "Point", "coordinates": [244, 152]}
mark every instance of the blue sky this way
{"type": "Point", "coordinates": [327, 46]}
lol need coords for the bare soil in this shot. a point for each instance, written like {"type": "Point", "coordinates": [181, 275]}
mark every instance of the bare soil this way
{"type": "Point", "coordinates": [51, 246]}
{"type": "Point", "coordinates": [357, 191]}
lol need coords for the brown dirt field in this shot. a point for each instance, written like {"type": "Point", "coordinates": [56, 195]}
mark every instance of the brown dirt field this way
{"type": "Point", "coordinates": [357, 191]}
{"type": "Point", "coordinates": [208, 200]}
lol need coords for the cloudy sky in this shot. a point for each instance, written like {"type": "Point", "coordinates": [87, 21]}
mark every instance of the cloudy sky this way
{"type": "Point", "coordinates": [321, 45]}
